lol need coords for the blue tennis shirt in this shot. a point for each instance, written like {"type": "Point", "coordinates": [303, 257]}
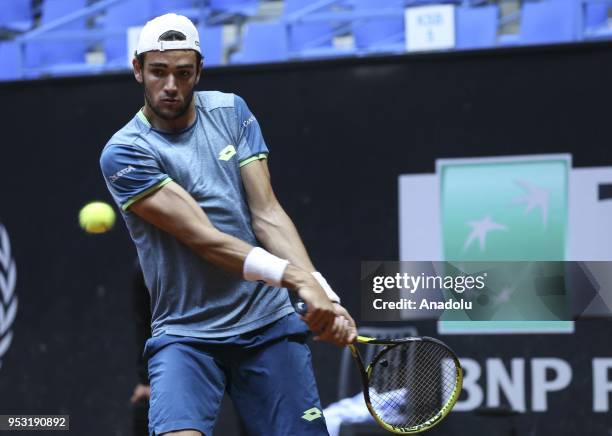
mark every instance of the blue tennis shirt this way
{"type": "Point", "coordinates": [189, 296]}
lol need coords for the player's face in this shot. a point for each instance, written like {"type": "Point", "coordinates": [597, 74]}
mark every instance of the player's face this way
{"type": "Point", "coordinates": [169, 79]}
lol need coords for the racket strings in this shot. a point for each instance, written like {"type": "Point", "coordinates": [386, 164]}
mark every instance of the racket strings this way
{"type": "Point", "coordinates": [411, 383]}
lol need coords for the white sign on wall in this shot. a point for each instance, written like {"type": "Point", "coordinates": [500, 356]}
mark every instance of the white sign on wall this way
{"type": "Point", "coordinates": [430, 28]}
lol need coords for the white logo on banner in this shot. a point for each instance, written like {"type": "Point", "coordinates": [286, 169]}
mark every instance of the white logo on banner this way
{"type": "Point", "coordinates": [480, 229]}
{"type": "Point", "coordinates": [8, 299]}
{"type": "Point", "coordinates": [535, 197]}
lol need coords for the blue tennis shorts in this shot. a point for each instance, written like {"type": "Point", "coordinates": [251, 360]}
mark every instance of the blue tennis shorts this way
{"type": "Point", "coordinates": [267, 373]}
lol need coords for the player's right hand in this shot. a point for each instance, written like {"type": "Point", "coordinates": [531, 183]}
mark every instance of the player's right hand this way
{"type": "Point", "coordinates": [321, 317]}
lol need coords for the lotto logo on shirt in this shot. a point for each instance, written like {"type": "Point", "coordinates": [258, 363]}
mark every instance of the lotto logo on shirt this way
{"type": "Point", "coordinates": [122, 173]}
{"type": "Point", "coordinates": [227, 153]}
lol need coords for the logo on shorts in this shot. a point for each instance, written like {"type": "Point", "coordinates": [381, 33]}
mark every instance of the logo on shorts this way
{"type": "Point", "coordinates": [227, 153]}
{"type": "Point", "coordinates": [312, 414]}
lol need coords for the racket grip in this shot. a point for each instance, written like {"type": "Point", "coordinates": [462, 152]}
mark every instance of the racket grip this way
{"type": "Point", "coordinates": [301, 308]}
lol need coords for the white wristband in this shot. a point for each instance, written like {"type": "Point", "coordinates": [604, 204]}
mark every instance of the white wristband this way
{"type": "Point", "coordinates": [328, 290]}
{"type": "Point", "coordinates": [261, 265]}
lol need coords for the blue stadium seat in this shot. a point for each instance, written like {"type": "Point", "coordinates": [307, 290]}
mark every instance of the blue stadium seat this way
{"type": "Point", "coordinates": [189, 8]}
{"type": "Point", "coordinates": [476, 27]}
{"type": "Point", "coordinates": [306, 36]}
{"type": "Point", "coordinates": [263, 42]}
{"type": "Point", "coordinates": [16, 15]}
{"type": "Point", "coordinates": [40, 53]}
{"type": "Point", "coordinates": [596, 21]}
{"type": "Point", "coordinates": [121, 16]}
{"type": "Point", "coordinates": [160, 7]}
{"type": "Point", "coordinates": [550, 21]}
{"type": "Point", "coordinates": [239, 7]}
{"type": "Point", "coordinates": [379, 34]}
{"type": "Point", "coordinates": [596, 14]}
{"type": "Point", "coordinates": [412, 3]}
{"type": "Point", "coordinates": [211, 42]}
{"type": "Point", "coordinates": [9, 53]}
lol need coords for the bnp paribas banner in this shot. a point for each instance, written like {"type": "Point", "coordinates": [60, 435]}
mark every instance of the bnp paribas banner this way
{"type": "Point", "coordinates": [506, 209]}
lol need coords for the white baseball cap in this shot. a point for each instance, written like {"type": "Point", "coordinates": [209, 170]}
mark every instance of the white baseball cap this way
{"type": "Point", "coordinates": [149, 39]}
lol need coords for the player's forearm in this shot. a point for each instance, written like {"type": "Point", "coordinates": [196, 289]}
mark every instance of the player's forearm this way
{"type": "Point", "coordinates": [230, 254]}
{"type": "Point", "coordinates": [173, 210]}
{"type": "Point", "coordinates": [277, 234]}
{"type": "Point", "coordinates": [220, 249]}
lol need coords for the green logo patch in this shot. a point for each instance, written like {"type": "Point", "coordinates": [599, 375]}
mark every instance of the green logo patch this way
{"type": "Point", "coordinates": [312, 414]}
{"type": "Point", "coordinates": [227, 153]}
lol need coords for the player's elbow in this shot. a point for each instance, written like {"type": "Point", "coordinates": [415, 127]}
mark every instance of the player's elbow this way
{"type": "Point", "coordinates": [267, 223]}
{"type": "Point", "coordinates": [259, 228]}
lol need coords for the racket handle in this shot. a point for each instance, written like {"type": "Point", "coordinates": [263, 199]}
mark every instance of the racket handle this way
{"type": "Point", "coordinates": [301, 308]}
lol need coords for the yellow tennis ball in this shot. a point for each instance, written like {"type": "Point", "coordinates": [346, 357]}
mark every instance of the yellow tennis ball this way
{"type": "Point", "coordinates": [97, 217]}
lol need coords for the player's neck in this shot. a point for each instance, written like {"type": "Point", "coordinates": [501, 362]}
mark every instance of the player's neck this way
{"type": "Point", "coordinates": [174, 125]}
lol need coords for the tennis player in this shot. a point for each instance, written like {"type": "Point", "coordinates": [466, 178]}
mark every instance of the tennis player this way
{"type": "Point", "coordinates": [218, 253]}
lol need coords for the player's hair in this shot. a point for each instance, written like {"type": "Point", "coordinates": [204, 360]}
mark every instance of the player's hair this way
{"type": "Point", "coordinates": [170, 35]}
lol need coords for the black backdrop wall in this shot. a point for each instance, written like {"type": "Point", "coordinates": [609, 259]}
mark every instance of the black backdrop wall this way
{"type": "Point", "coordinates": [340, 132]}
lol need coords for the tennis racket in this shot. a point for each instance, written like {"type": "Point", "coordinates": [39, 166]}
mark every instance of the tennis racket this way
{"type": "Point", "coordinates": [411, 384]}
